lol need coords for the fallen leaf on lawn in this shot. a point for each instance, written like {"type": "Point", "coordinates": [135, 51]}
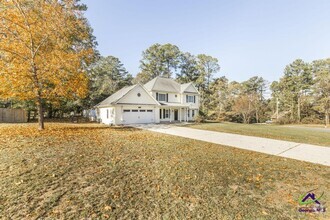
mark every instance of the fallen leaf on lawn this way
{"type": "Point", "coordinates": [108, 208]}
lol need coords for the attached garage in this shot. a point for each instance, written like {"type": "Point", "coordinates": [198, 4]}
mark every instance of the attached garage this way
{"type": "Point", "coordinates": [138, 116]}
{"type": "Point", "coordinates": [130, 105]}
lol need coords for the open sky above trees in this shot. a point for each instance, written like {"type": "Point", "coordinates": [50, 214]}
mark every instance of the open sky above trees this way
{"type": "Point", "coordinates": [248, 37]}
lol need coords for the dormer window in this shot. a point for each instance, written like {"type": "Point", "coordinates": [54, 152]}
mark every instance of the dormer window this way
{"type": "Point", "coordinates": [162, 97]}
{"type": "Point", "coordinates": [190, 99]}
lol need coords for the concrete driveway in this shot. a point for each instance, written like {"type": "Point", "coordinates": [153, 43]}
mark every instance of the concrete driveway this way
{"type": "Point", "coordinates": [305, 152]}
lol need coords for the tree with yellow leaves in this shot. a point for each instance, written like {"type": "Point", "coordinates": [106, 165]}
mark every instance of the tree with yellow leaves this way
{"type": "Point", "coordinates": [45, 46]}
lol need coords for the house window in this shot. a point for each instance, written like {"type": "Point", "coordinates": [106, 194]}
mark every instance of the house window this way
{"type": "Point", "coordinates": [162, 97]}
{"type": "Point", "coordinates": [188, 113]}
{"type": "Point", "coordinates": [127, 110]}
{"type": "Point", "coordinates": [149, 110]}
{"type": "Point", "coordinates": [142, 110]}
{"type": "Point", "coordinates": [166, 113]}
{"type": "Point", "coordinates": [160, 113]}
{"type": "Point", "coordinates": [107, 113]}
{"type": "Point", "coordinates": [192, 113]}
{"type": "Point", "coordinates": [190, 98]}
{"type": "Point", "coordinates": [135, 110]}
{"type": "Point", "coordinates": [139, 94]}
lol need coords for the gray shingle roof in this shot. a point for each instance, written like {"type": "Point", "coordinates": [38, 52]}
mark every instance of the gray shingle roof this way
{"type": "Point", "coordinates": [163, 84]}
{"type": "Point", "coordinates": [116, 96]}
{"type": "Point", "coordinates": [157, 84]}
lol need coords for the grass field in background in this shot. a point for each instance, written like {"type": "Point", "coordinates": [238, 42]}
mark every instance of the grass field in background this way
{"type": "Point", "coordinates": [299, 133]}
{"type": "Point", "coordinates": [91, 171]}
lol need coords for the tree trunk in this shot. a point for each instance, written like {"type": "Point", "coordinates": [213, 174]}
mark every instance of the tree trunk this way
{"type": "Point", "coordinates": [292, 109]}
{"type": "Point", "coordinates": [298, 109]}
{"type": "Point", "coordinates": [202, 101]}
{"type": "Point", "coordinates": [257, 116]}
{"type": "Point", "coordinates": [40, 114]}
{"type": "Point", "coordinates": [28, 115]}
{"type": "Point", "coordinates": [220, 110]}
{"type": "Point", "coordinates": [168, 70]}
{"type": "Point", "coordinates": [244, 118]}
{"type": "Point", "coordinates": [276, 108]}
{"type": "Point", "coordinates": [327, 118]}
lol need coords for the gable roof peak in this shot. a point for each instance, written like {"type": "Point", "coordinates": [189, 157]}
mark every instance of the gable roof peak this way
{"type": "Point", "coordinates": [188, 88]}
{"type": "Point", "coordinates": [116, 96]}
{"type": "Point", "coordinates": [164, 84]}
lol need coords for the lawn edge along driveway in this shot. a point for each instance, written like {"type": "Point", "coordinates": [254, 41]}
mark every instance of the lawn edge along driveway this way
{"type": "Point", "coordinates": [299, 151]}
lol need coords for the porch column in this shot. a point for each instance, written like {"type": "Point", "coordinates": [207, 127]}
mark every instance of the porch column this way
{"type": "Point", "coordinates": [180, 114]}
{"type": "Point", "coordinates": [186, 114]}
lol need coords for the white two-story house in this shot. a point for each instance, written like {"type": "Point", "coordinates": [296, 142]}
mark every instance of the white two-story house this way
{"type": "Point", "coordinates": [159, 100]}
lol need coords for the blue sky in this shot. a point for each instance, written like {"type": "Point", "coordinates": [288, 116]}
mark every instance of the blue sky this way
{"type": "Point", "coordinates": [249, 37]}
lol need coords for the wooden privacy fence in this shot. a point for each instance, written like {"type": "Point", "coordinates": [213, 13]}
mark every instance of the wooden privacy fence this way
{"type": "Point", "coordinates": [9, 115]}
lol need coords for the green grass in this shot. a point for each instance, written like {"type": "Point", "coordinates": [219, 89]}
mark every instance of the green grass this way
{"type": "Point", "coordinates": [92, 171]}
{"type": "Point", "coordinates": [298, 134]}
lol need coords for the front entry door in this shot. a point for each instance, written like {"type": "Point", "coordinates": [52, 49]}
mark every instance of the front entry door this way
{"type": "Point", "coordinates": [176, 114]}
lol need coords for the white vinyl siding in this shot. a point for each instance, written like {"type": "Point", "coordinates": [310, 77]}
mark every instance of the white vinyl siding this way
{"type": "Point", "coordinates": [107, 115]}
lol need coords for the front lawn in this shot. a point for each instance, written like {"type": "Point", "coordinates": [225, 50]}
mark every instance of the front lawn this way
{"type": "Point", "coordinates": [82, 171]}
{"type": "Point", "coordinates": [299, 134]}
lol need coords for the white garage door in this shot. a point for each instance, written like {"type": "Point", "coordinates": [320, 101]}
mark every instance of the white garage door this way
{"type": "Point", "coordinates": [138, 116]}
